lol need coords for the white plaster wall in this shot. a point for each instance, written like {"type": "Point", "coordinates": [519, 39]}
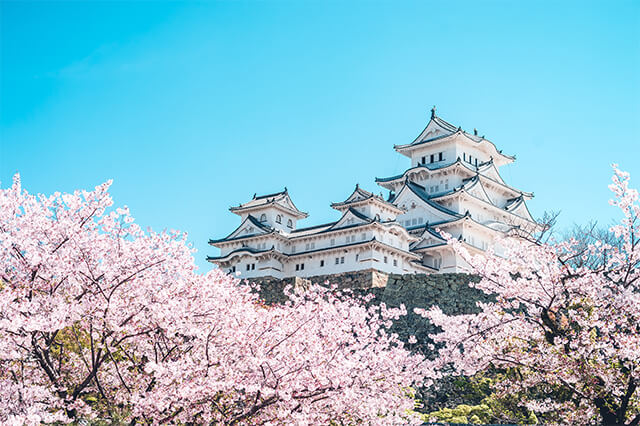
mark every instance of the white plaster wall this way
{"type": "Point", "coordinates": [448, 150]}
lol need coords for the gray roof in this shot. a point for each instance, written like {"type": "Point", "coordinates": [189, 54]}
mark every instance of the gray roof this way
{"type": "Point", "coordinates": [420, 192]}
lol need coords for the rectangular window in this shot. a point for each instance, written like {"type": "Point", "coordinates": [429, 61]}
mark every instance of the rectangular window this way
{"type": "Point", "coordinates": [433, 158]}
{"type": "Point", "coordinates": [313, 245]}
{"type": "Point", "coordinates": [476, 162]}
{"type": "Point", "coordinates": [297, 267]}
{"type": "Point", "coordinates": [302, 266]}
{"type": "Point", "coordinates": [333, 241]}
{"type": "Point", "coordinates": [407, 223]}
{"type": "Point", "coordinates": [342, 259]}
{"type": "Point", "coordinates": [470, 159]}
{"type": "Point", "coordinates": [395, 262]}
{"type": "Point", "coordinates": [386, 260]}
{"type": "Point", "coordinates": [253, 266]}
{"type": "Point", "coordinates": [357, 256]}
{"type": "Point", "coordinates": [464, 156]}
{"type": "Point", "coordinates": [424, 160]}
{"type": "Point", "coordinates": [364, 236]}
{"type": "Point", "coordinates": [420, 220]}
{"type": "Point", "coordinates": [440, 156]}
{"type": "Point", "coordinates": [414, 221]}
{"type": "Point", "coordinates": [337, 260]}
{"type": "Point", "coordinates": [248, 267]}
{"type": "Point", "coordinates": [306, 246]}
{"type": "Point", "coordinates": [293, 249]}
{"type": "Point", "coordinates": [321, 263]}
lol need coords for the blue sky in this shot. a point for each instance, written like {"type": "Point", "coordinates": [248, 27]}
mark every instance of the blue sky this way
{"type": "Point", "coordinates": [193, 107]}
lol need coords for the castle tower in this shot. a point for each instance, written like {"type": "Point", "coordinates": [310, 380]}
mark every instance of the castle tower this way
{"type": "Point", "coordinates": [454, 186]}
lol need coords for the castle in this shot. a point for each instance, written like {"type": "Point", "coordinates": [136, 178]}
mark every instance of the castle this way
{"type": "Point", "coordinates": [453, 186]}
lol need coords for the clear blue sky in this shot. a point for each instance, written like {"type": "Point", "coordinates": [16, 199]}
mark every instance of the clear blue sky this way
{"type": "Point", "coordinates": [193, 107]}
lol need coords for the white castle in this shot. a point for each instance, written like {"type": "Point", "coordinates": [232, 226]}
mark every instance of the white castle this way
{"type": "Point", "coordinates": [453, 186]}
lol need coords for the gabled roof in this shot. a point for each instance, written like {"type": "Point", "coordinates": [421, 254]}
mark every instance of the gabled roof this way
{"type": "Point", "coordinates": [278, 199]}
{"type": "Point", "coordinates": [486, 170]}
{"type": "Point", "coordinates": [360, 195]}
{"type": "Point", "coordinates": [264, 228]}
{"type": "Point", "coordinates": [351, 213]}
{"type": "Point", "coordinates": [438, 129]}
{"type": "Point", "coordinates": [463, 190]}
{"type": "Point", "coordinates": [422, 194]}
{"type": "Point", "coordinates": [519, 207]}
{"type": "Point", "coordinates": [475, 187]}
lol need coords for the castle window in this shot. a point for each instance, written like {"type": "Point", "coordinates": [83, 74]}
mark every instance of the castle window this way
{"type": "Point", "coordinates": [395, 262]}
{"type": "Point", "coordinates": [357, 256]}
{"type": "Point", "coordinates": [424, 160]}
{"type": "Point", "coordinates": [440, 156]}
{"type": "Point", "coordinates": [337, 260]}
{"type": "Point", "coordinates": [278, 219]}
{"type": "Point", "coordinates": [420, 220]}
{"type": "Point", "coordinates": [342, 259]}
{"type": "Point", "coordinates": [407, 223]}
{"type": "Point", "coordinates": [306, 246]}
{"type": "Point", "coordinates": [433, 158]}
{"type": "Point", "coordinates": [476, 162]}
{"type": "Point", "coordinates": [248, 267]}
{"type": "Point", "coordinates": [263, 217]}
{"type": "Point", "coordinates": [364, 236]}
{"type": "Point", "coordinates": [253, 266]}
{"type": "Point", "coordinates": [321, 263]}
{"type": "Point", "coordinates": [414, 221]}
{"type": "Point", "coordinates": [293, 249]}
{"type": "Point", "coordinates": [289, 223]}
{"type": "Point", "coordinates": [297, 267]}
{"type": "Point", "coordinates": [333, 241]}
{"type": "Point", "coordinates": [464, 156]}
{"type": "Point", "coordinates": [386, 260]}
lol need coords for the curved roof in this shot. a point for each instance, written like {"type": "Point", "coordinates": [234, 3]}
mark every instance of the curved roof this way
{"type": "Point", "coordinates": [266, 229]}
{"type": "Point", "coordinates": [421, 193]}
{"type": "Point", "coordinates": [487, 165]}
{"type": "Point", "coordinates": [360, 195]}
{"type": "Point", "coordinates": [280, 199]}
{"type": "Point", "coordinates": [438, 129]}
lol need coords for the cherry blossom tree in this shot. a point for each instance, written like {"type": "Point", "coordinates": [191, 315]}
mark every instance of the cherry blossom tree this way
{"type": "Point", "coordinates": [99, 318]}
{"type": "Point", "coordinates": [567, 329]}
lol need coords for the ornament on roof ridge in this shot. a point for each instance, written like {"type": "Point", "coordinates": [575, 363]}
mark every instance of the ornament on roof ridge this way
{"type": "Point", "coordinates": [433, 111]}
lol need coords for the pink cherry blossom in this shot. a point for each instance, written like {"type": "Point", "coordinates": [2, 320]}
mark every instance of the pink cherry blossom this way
{"type": "Point", "coordinates": [564, 325]}
{"type": "Point", "coordinates": [98, 317]}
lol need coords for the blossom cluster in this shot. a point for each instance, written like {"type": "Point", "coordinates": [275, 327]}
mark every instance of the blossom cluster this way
{"type": "Point", "coordinates": [567, 327]}
{"type": "Point", "coordinates": [100, 318]}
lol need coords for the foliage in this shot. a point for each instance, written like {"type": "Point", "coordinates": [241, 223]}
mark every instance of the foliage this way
{"type": "Point", "coordinates": [564, 327]}
{"type": "Point", "coordinates": [102, 320]}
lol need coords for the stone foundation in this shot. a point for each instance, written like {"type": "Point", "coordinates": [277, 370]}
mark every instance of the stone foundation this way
{"type": "Point", "coordinates": [449, 291]}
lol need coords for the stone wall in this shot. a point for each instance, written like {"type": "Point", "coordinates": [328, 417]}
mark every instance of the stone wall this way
{"type": "Point", "coordinates": [271, 289]}
{"type": "Point", "coordinates": [449, 291]}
